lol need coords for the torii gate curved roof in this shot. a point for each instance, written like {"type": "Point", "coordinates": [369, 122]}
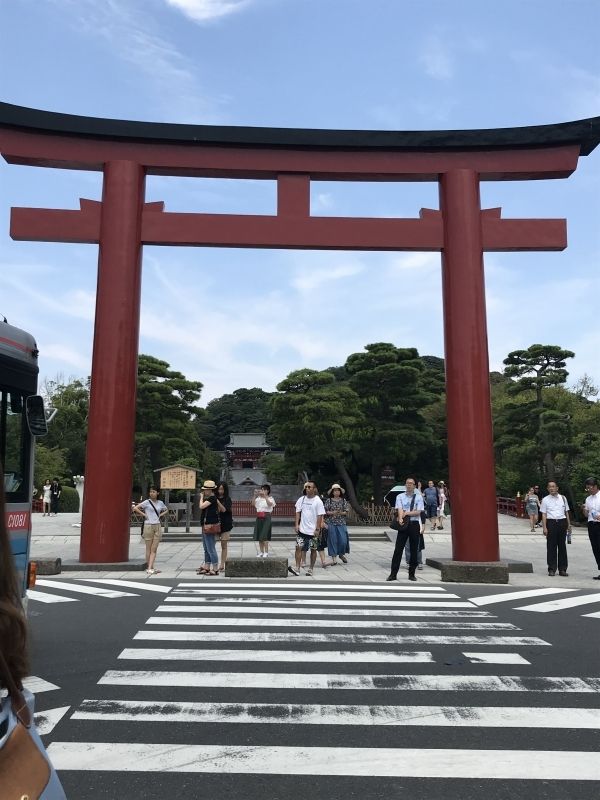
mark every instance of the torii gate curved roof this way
{"type": "Point", "coordinates": [584, 132]}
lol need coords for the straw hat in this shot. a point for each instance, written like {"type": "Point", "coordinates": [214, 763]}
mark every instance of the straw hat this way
{"type": "Point", "coordinates": [209, 485]}
{"type": "Point", "coordinates": [335, 486]}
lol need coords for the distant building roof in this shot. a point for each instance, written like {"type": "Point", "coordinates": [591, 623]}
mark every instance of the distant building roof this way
{"type": "Point", "coordinates": [247, 440]}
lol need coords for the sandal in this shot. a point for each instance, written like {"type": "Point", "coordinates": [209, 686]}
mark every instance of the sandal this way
{"type": "Point", "coordinates": [202, 571]}
{"type": "Point", "coordinates": [221, 569]}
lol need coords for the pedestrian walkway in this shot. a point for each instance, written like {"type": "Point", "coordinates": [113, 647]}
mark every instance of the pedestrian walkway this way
{"type": "Point", "coordinates": [368, 561]}
{"type": "Point", "coordinates": [204, 687]}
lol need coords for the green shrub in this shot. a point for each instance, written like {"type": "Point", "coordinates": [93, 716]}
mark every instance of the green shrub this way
{"type": "Point", "coordinates": [69, 501]}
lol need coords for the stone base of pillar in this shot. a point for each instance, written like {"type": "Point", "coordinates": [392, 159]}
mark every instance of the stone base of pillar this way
{"type": "Point", "coordinates": [476, 571]}
{"type": "Point", "coordinates": [135, 565]}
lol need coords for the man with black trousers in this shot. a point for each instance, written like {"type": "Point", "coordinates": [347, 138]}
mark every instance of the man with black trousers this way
{"type": "Point", "coordinates": [556, 524]}
{"type": "Point", "coordinates": [409, 505]}
{"type": "Point", "coordinates": [591, 509]}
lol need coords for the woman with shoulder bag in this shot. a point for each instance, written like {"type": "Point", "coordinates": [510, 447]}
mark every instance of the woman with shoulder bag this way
{"type": "Point", "coordinates": [209, 519]}
{"type": "Point", "coordinates": [25, 770]}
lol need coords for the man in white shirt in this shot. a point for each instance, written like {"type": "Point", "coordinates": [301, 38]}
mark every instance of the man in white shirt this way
{"type": "Point", "coordinates": [409, 505]}
{"type": "Point", "coordinates": [591, 509]}
{"type": "Point", "coordinates": [309, 521]}
{"type": "Point", "coordinates": [556, 524]}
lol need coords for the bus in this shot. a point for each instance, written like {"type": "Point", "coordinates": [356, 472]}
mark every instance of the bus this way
{"type": "Point", "coordinates": [22, 418]}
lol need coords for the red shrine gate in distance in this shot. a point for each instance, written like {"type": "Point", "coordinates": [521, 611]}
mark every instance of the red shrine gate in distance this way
{"type": "Point", "coordinates": [122, 222]}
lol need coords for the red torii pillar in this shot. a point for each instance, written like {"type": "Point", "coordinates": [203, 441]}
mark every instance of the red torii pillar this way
{"type": "Point", "coordinates": [122, 223]}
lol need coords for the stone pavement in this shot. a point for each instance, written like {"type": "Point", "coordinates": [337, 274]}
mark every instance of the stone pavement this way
{"type": "Point", "coordinates": [369, 561]}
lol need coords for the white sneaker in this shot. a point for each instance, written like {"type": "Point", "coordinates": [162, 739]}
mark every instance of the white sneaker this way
{"type": "Point", "coordinates": [419, 566]}
{"type": "Point", "coordinates": [259, 555]}
{"type": "Point", "coordinates": [265, 555]}
{"type": "Point", "coordinates": [309, 571]}
{"type": "Point", "coordinates": [150, 571]}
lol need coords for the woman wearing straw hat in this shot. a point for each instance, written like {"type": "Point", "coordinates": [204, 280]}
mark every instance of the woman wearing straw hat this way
{"type": "Point", "coordinates": [336, 511]}
{"type": "Point", "coordinates": [209, 519]}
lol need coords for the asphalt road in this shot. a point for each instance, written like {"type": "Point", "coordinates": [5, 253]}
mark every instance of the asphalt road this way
{"type": "Point", "coordinates": [333, 692]}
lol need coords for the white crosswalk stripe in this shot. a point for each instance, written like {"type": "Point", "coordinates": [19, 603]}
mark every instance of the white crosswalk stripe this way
{"type": "Point", "coordinates": [507, 597]}
{"type": "Point", "coordinates": [420, 763]}
{"type": "Point", "coordinates": [560, 605]}
{"type": "Point", "coordinates": [221, 644]}
{"type": "Point", "coordinates": [336, 638]}
{"type": "Point", "coordinates": [268, 607]}
{"type": "Point", "coordinates": [286, 622]}
{"type": "Point", "coordinates": [58, 586]}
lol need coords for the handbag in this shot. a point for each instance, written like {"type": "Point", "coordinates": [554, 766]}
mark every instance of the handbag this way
{"type": "Point", "coordinates": [24, 769]}
{"type": "Point", "coordinates": [261, 514]}
{"type": "Point", "coordinates": [212, 528]}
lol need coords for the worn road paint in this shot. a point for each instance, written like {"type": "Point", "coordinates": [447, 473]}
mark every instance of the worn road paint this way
{"type": "Point", "coordinates": [321, 656]}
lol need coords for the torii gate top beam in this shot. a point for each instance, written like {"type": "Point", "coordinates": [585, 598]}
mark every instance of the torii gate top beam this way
{"type": "Point", "coordinates": [42, 138]}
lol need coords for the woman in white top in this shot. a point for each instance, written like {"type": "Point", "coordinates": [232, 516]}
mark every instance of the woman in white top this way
{"type": "Point", "coordinates": [46, 499]}
{"type": "Point", "coordinates": [264, 504]}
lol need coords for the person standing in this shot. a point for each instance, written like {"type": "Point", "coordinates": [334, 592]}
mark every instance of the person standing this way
{"type": "Point", "coordinates": [336, 511]}
{"type": "Point", "coordinates": [226, 517]}
{"type": "Point", "coordinates": [209, 520]}
{"type": "Point", "coordinates": [46, 497]}
{"type": "Point", "coordinates": [55, 493]}
{"type": "Point", "coordinates": [431, 498]}
{"type": "Point", "coordinates": [591, 509]}
{"type": "Point", "coordinates": [538, 494]}
{"type": "Point", "coordinates": [153, 511]}
{"type": "Point", "coordinates": [556, 524]}
{"type": "Point", "coordinates": [409, 505]}
{"type": "Point", "coordinates": [532, 507]}
{"type": "Point", "coordinates": [308, 523]}
{"type": "Point", "coordinates": [443, 495]}
{"type": "Point", "coordinates": [264, 504]}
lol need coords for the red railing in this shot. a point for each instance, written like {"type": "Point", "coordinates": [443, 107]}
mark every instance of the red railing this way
{"type": "Point", "coordinates": [513, 507]}
{"type": "Point", "coordinates": [245, 508]}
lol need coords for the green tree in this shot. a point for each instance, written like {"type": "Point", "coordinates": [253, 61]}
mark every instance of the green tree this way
{"type": "Point", "coordinates": [243, 411]}
{"type": "Point", "coordinates": [165, 432]}
{"type": "Point", "coordinates": [68, 429]}
{"type": "Point", "coordinates": [50, 462]}
{"type": "Point", "coordinates": [315, 419]}
{"type": "Point", "coordinates": [531, 418]}
{"type": "Point", "coordinates": [388, 381]}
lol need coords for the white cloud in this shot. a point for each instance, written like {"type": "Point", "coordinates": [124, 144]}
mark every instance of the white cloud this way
{"type": "Point", "coordinates": [131, 35]}
{"type": "Point", "coordinates": [307, 279]}
{"type": "Point", "coordinates": [67, 355]}
{"type": "Point", "coordinates": [324, 201]}
{"type": "Point", "coordinates": [208, 10]}
{"type": "Point", "coordinates": [436, 59]}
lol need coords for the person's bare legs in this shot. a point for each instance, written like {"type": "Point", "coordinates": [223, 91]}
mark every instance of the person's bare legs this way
{"type": "Point", "coordinates": [299, 552]}
{"type": "Point", "coordinates": [148, 553]}
{"type": "Point", "coordinates": [223, 555]}
{"type": "Point", "coordinates": [532, 521]}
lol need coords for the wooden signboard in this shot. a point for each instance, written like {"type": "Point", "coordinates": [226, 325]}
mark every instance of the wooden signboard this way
{"type": "Point", "coordinates": [178, 478]}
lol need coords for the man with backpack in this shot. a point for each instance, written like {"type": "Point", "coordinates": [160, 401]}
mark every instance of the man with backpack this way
{"type": "Point", "coordinates": [153, 510]}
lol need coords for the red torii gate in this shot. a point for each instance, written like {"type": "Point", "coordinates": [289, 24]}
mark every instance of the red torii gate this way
{"type": "Point", "coordinates": [122, 222]}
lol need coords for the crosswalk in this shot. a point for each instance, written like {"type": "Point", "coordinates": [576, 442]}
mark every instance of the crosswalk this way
{"type": "Point", "coordinates": [240, 680]}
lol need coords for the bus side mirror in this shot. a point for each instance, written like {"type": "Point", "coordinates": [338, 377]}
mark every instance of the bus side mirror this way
{"type": "Point", "coordinates": [36, 417]}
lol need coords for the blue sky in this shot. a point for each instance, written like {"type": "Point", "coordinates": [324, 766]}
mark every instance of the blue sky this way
{"type": "Point", "coordinates": [232, 318]}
